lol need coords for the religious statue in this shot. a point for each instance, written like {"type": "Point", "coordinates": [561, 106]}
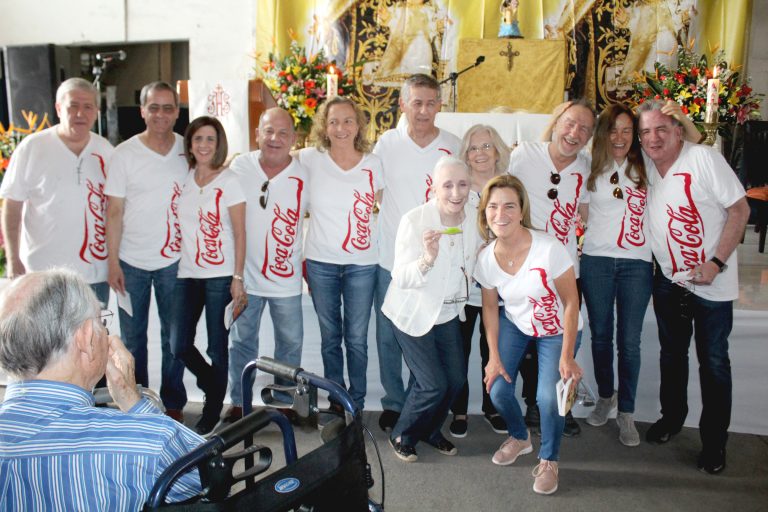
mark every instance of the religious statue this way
{"type": "Point", "coordinates": [415, 27]}
{"type": "Point", "coordinates": [509, 25]}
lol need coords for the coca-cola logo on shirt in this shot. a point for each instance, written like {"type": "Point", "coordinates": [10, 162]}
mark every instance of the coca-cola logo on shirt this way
{"type": "Point", "coordinates": [545, 319]}
{"type": "Point", "coordinates": [94, 245]}
{"type": "Point", "coordinates": [172, 245]}
{"type": "Point", "coordinates": [685, 230]}
{"type": "Point", "coordinates": [209, 234]}
{"type": "Point", "coordinates": [562, 215]}
{"type": "Point", "coordinates": [631, 232]}
{"type": "Point", "coordinates": [359, 218]}
{"type": "Point", "coordinates": [280, 239]}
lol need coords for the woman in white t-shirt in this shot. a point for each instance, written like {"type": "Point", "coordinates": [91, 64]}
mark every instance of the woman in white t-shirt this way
{"type": "Point", "coordinates": [533, 274]}
{"type": "Point", "coordinates": [340, 247]}
{"type": "Point", "coordinates": [212, 220]}
{"type": "Point", "coordinates": [484, 151]}
{"type": "Point", "coordinates": [616, 264]}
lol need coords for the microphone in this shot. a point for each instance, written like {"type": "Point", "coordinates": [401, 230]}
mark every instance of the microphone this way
{"type": "Point", "coordinates": [480, 60]}
{"type": "Point", "coordinates": [110, 56]}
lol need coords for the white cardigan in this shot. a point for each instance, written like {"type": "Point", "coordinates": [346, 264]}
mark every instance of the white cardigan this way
{"type": "Point", "coordinates": [413, 300]}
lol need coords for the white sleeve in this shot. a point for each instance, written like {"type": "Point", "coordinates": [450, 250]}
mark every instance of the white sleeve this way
{"type": "Point", "coordinates": [117, 176]}
{"type": "Point", "coordinates": [408, 244]}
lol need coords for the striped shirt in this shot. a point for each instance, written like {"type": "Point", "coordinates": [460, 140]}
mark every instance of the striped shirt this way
{"type": "Point", "coordinates": [59, 452]}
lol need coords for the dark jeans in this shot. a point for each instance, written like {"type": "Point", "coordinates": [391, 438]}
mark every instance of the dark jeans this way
{"type": "Point", "coordinates": [679, 312]}
{"type": "Point", "coordinates": [190, 297]}
{"type": "Point", "coordinates": [627, 283]}
{"type": "Point", "coordinates": [467, 327]}
{"type": "Point", "coordinates": [133, 329]}
{"type": "Point", "coordinates": [436, 361]}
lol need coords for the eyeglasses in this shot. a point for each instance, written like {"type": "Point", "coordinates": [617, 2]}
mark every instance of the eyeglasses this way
{"type": "Point", "coordinates": [482, 147]}
{"type": "Point", "coordinates": [584, 394]}
{"type": "Point", "coordinates": [264, 195]}
{"type": "Point", "coordinates": [617, 193]}
{"type": "Point", "coordinates": [106, 318]}
{"type": "Point", "coordinates": [459, 300]}
{"type": "Point", "coordinates": [554, 178]}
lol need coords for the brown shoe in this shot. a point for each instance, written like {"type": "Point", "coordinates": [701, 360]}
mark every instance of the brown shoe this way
{"type": "Point", "coordinates": [233, 414]}
{"type": "Point", "coordinates": [545, 475]}
{"type": "Point", "coordinates": [176, 414]}
{"type": "Point", "coordinates": [511, 449]}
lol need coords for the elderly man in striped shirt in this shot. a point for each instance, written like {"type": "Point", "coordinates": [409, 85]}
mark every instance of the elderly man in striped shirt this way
{"type": "Point", "coordinates": [58, 451]}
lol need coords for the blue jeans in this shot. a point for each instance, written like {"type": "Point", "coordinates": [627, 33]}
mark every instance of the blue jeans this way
{"type": "Point", "coordinates": [628, 283]}
{"type": "Point", "coordinates": [286, 316]}
{"type": "Point", "coordinates": [350, 287]}
{"type": "Point", "coordinates": [390, 355]}
{"type": "Point", "coordinates": [679, 313]}
{"type": "Point", "coordinates": [102, 292]}
{"type": "Point", "coordinates": [190, 297]}
{"type": "Point", "coordinates": [133, 329]}
{"type": "Point", "coordinates": [436, 361]}
{"type": "Point", "coordinates": [512, 347]}
{"type": "Point", "coordinates": [461, 404]}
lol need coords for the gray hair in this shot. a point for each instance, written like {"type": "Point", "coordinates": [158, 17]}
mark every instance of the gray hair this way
{"type": "Point", "coordinates": [39, 315]}
{"type": "Point", "coordinates": [503, 151]}
{"type": "Point", "coordinates": [450, 161]}
{"type": "Point", "coordinates": [651, 105]}
{"type": "Point", "coordinates": [418, 80]}
{"type": "Point", "coordinates": [76, 84]}
{"type": "Point", "coordinates": [157, 86]}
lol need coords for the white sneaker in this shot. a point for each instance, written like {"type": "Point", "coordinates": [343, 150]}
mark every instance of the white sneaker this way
{"type": "Point", "coordinates": [627, 432]}
{"type": "Point", "coordinates": [604, 408]}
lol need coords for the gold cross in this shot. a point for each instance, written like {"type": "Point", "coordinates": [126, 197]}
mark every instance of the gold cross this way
{"type": "Point", "coordinates": [509, 54]}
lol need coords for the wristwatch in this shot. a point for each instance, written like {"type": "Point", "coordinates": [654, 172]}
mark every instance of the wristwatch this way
{"type": "Point", "coordinates": [717, 261]}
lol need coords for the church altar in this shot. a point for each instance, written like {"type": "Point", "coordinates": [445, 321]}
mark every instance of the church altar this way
{"type": "Point", "coordinates": [513, 128]}
{"type": "Point", "coordinates": [520, 74]}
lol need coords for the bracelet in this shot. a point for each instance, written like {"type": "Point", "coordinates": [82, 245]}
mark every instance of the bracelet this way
{"type": "Point", "coordinates": [238, 277]}
{"type": "Point", "coordinates": [424, 267]}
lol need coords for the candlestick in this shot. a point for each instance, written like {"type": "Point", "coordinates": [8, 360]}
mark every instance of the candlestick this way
{"type": "Point", "coordinates": [332, 83]}
{"type": "Point", "coordinates": [713, 99]}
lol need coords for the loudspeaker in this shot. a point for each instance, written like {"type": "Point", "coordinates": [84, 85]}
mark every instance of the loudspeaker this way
{"type": "Point", "coordinates": [3, 96]}
{"type": "Point", "coordinates": [31, 77]}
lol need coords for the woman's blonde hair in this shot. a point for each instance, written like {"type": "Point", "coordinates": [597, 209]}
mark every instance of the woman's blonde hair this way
{"type": "Point", "coordinates": [501, 149]}
{"type": "Point", "coordinates": [319, 133]}
{"type": "Point", "coordinates": [503, 181]}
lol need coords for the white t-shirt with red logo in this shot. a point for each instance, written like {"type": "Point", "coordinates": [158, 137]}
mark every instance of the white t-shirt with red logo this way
{"type": "Point", "coordinates": [687, 213]}
{"type": "Point", "coordinates": [341, 202]}
{"type": "Point", "coordinates": [407, 178]}
{"type": "Point", "coordinates": [617, 228]}
{"type": "Point", "coordinates": [64, 216]}
{"type": "Point", "coordinates": [273, 256]}
{"type": "Point", "coordinates": [207, 238]}
{"type": "Point", "coordinates": [530, 296]}
{"type": "Point", "coordinates": [150, 185]}
{"type": "Point", "coordinates": [530, 163]}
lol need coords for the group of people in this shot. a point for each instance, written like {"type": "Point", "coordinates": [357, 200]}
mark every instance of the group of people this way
{"type": "Point", "coordinates": [465, 231]}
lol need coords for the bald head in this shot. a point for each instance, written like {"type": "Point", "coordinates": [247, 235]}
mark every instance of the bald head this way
{"type": "Point", "coordinates": [276, 137]}
{"type": "Point", "coordinates": [39, 315]}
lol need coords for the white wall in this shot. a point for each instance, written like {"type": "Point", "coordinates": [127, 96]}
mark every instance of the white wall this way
{"type": "Point", "coordinates": [221, 34]}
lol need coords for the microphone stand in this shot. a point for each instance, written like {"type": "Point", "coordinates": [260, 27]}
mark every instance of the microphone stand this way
{"type": "Point", "coordinates": [454, 77]}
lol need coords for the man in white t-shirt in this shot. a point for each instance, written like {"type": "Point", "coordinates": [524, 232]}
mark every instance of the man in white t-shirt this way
{"type": "Point", "coordinates": [55, 205]}
{"type": "Point", "coordinates": [697, 212]}
{"type": "Point", "coordinates": [555, 175]}
{"type": "Point", "coordinates": [276, 195]}
{"type": "Point", "coordinates": [409, 154]}
{"type": "Point", "coordinates": [146, 175]}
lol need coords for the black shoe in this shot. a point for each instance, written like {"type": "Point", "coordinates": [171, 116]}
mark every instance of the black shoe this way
{"type": "Point", "coordinates": [443, 445]}
{"type": "Point", "coordinates": [388, 420]}
{"type": "Point", "coordinates": [404, 452]}
{"type": "Point", "coordinates": [572, 428]}
{"type": "Point", "coordinates": [533, 419]}
{"type": "Point", "coordinates": [497, 423]}
{"type": "Point", "coordinates": [458, 427]}
{"type": "Point", "coordinates": [233, 414]}
{"type": "Point", "coordinates": [711, 462]}
{"type": "Point", "coordinates": [206, 424]}
{"type": "Point", "coordinates": [660, 432]}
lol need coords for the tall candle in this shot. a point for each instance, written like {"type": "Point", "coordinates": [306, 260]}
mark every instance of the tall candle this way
{"type": "Point", "coordinates": [332, 83]}
{"type": "Point", "coordinates": [713, 86]}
